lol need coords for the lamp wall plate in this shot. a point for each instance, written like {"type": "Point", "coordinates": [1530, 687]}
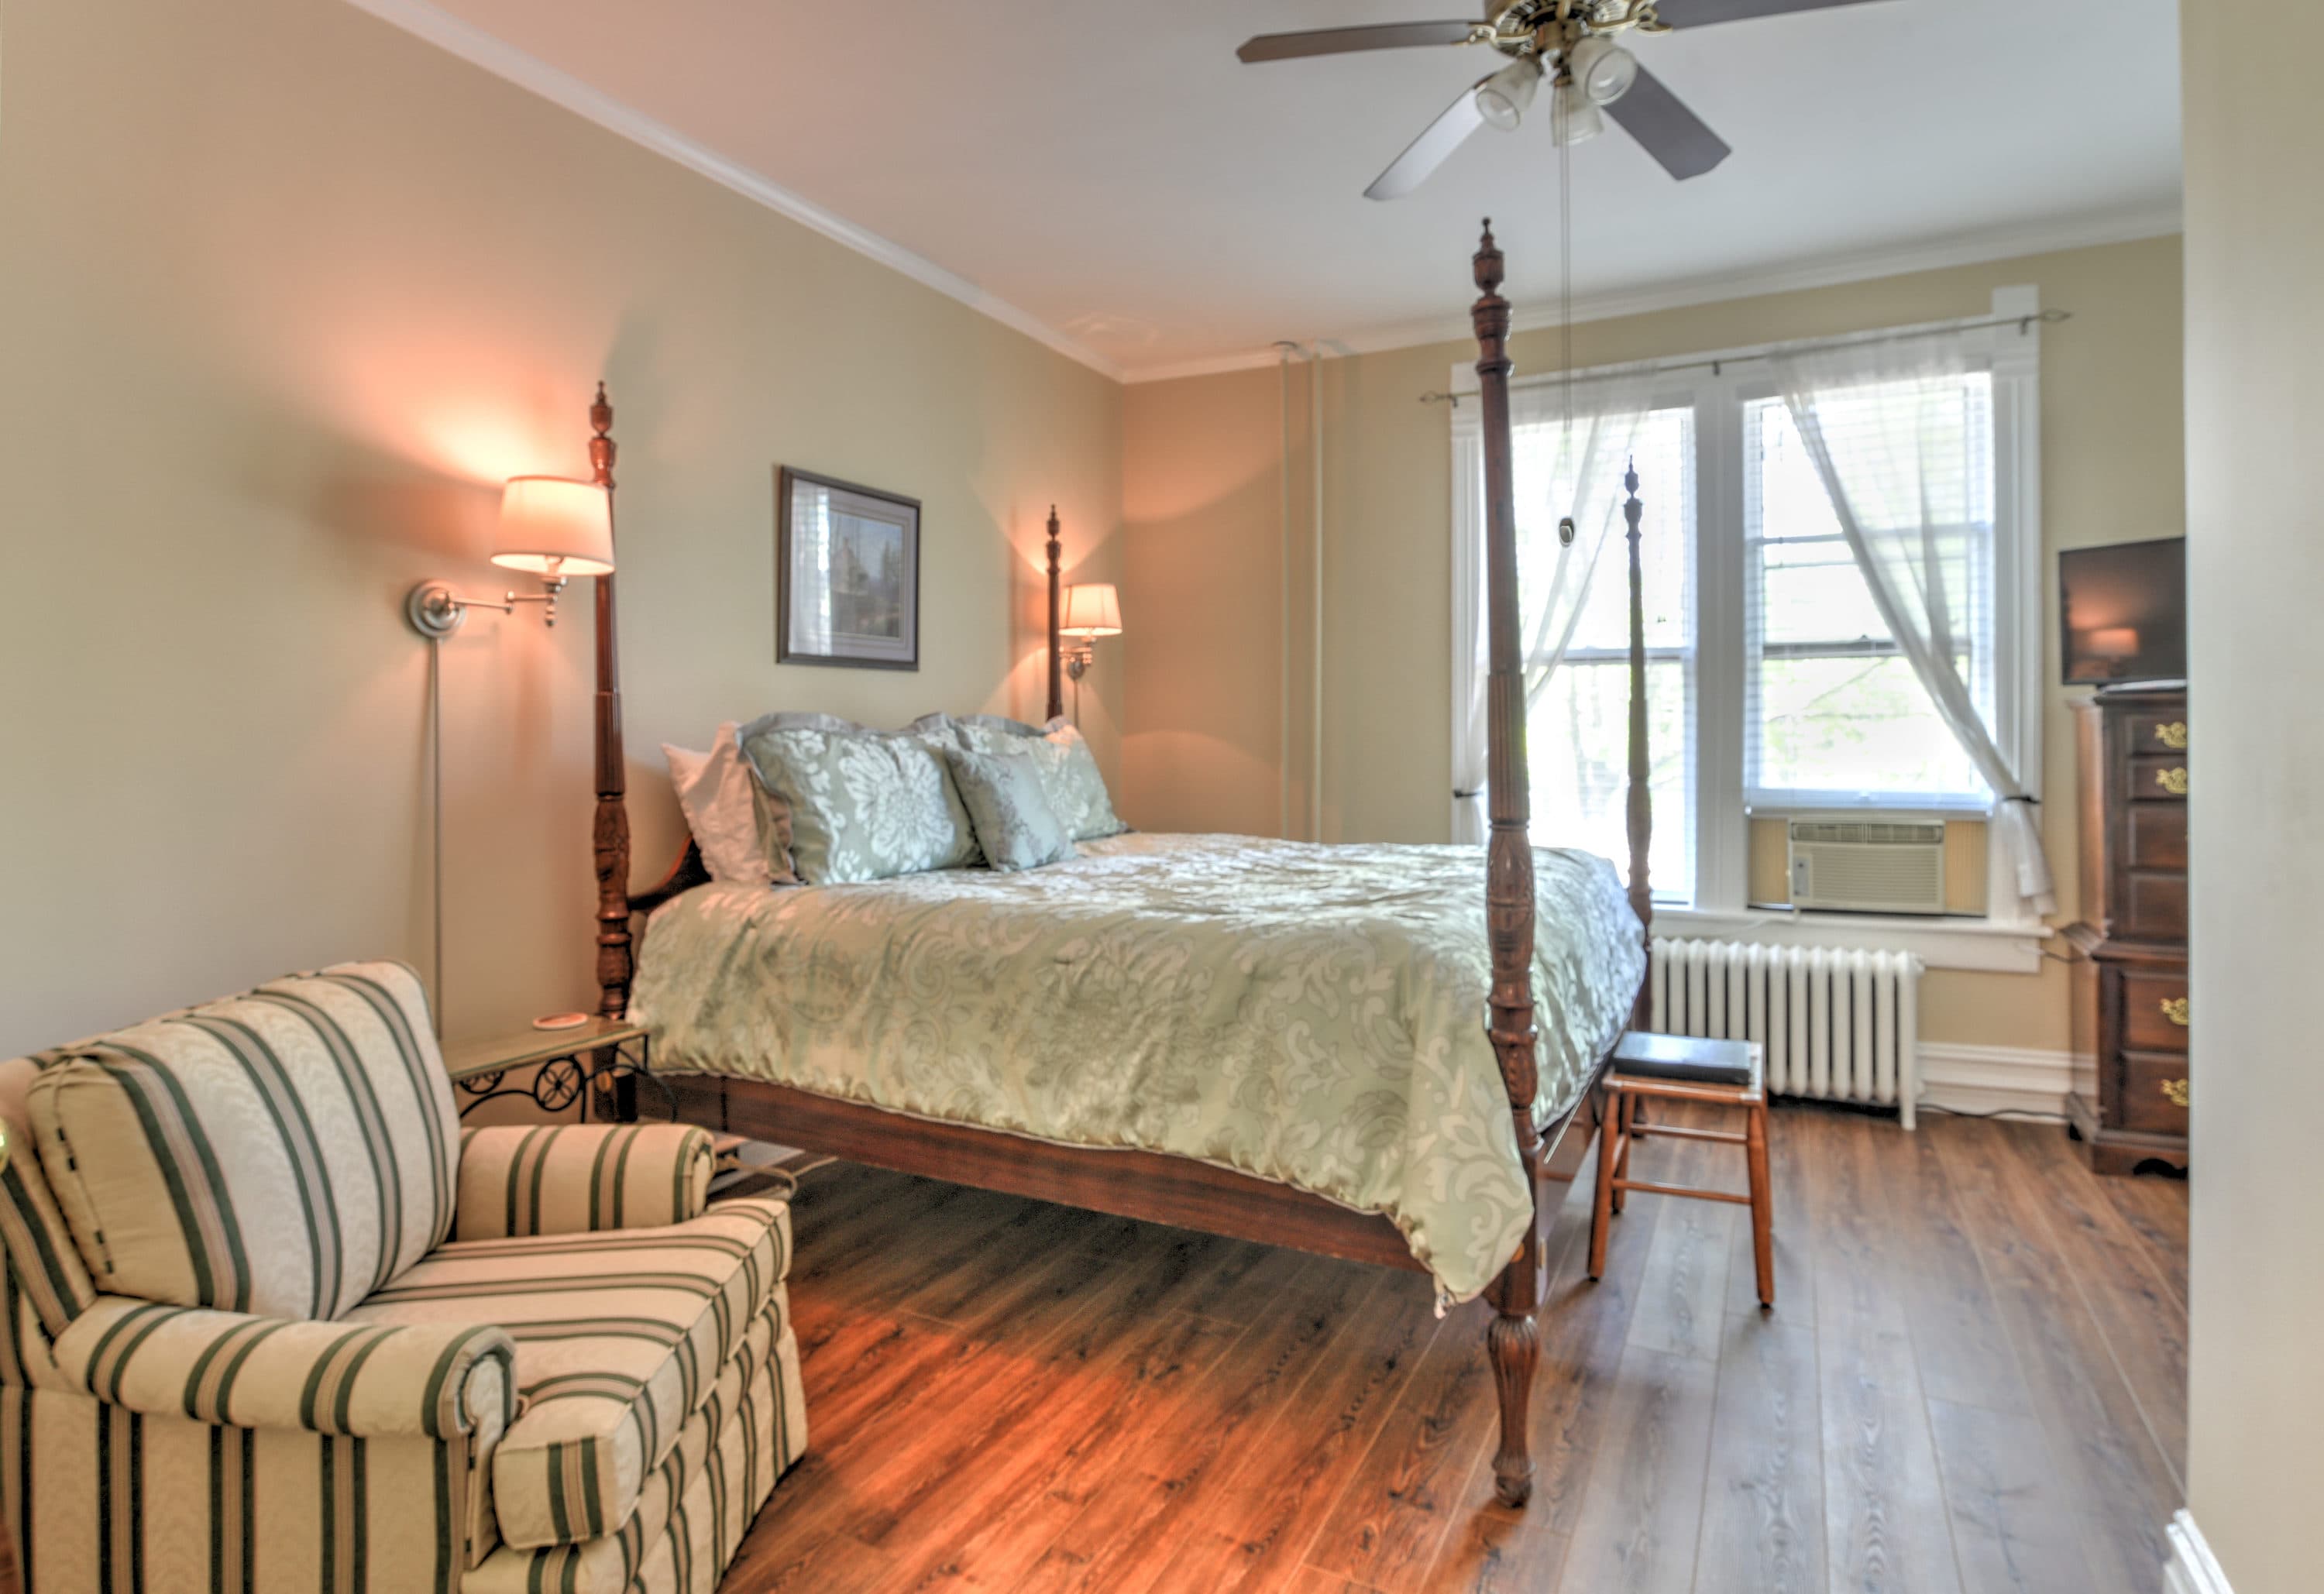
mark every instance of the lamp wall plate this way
{"type": "Point", "coordinates": [433, 610]}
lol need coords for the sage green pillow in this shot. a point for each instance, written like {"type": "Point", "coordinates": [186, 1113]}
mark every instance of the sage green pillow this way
{"type": "Point", "coordinates": [1015, 825]}
{"type": "Point", "coordinates": [1069, 771]}
{"type": "Point", "coordinates": [864, 805]}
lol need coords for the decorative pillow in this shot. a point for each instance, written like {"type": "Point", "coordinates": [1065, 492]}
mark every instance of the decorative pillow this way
{"type": "Point", "coordinates": [723, 808]}
{"type": "Point", "coordinates": [986, 733]}
{"type": "Point", "coordinates": [1014, 823]}
{"type": "Point", "coordinates": [1069, 771]}
{"type": "Point", "coordinates": [863, 806]}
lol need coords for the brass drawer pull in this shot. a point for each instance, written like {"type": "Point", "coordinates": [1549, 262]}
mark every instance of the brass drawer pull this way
{"type": "Point", "coordinates": [2174, 1091]}
{"type": "Point", "coordinates": [2174, 1008]}
{"type": "Point", "coordinates": [2173, 781]}
{"type": "Point", "coordinates": [2172, 735]}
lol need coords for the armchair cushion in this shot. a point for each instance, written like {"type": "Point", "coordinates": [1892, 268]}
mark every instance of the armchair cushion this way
{"type": "Point", "coordinates": [419, 1380]}
{"type": "Point", "coordinates": [283, 1153]}
{"type": "Point", "coordinates": [580, 1178]}
{"type": "Point", "coordinates": [619, 1337]}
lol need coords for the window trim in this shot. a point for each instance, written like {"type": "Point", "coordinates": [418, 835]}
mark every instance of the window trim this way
{"type": "Point", "coordinates": [1722, 814]}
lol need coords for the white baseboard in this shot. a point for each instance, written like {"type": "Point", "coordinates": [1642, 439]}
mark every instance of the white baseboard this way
{"type": "Point", "coordinates": [1996, 1079]}
{"type": "Point", "coordinates": [2192, 1568]}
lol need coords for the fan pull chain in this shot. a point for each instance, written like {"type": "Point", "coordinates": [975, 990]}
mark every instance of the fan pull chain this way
{"type": "Point", "coordinates": [1560, 95]}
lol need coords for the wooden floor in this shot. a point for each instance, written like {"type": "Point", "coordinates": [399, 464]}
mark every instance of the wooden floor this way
{"type": "Point", "coordinates": [1974, 1380]}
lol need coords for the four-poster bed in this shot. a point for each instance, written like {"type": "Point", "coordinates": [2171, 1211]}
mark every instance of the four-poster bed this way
{"type": "Point", "coordinates": [1178, 1190]}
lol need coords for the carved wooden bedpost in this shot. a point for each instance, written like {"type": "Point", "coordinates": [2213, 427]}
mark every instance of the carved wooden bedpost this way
{"type": "Point", "coordinates": [611, 833]}
{"type": "Point", "coordinates": [1514, 1339]}
{"type": "Point", "coordinates": [1642, 817]}
{"type": "Point", "coordinates": [1056, 665]}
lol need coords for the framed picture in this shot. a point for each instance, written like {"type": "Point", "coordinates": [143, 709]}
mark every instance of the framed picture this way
{"type": "Point", "coordinates": [847, 574]}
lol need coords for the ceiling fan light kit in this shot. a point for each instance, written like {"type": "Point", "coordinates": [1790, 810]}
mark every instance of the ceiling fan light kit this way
{"type": "Point", "coordinates": [1571, 41]}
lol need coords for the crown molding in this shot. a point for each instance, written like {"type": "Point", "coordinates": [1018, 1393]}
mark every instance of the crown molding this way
{"type": "Point", "coordinates": [506, 62]}
{"type": "Point", "coordinates": [1863, 265]}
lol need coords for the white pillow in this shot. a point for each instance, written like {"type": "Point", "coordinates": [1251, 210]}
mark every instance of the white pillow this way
{"type": "Point", "coordinates": [716, 790]}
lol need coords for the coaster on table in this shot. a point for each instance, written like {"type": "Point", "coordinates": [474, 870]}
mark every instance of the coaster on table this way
{"type": "Point", "coordinates": [561, 1022]}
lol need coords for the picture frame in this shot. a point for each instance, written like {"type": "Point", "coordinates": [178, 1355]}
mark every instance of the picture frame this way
{"type": "Point", "coordinates": [847, 574]}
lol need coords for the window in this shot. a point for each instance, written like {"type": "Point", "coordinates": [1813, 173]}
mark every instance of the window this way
{"type": "Point", "coordinates": [1775, 683]}
{"type": "Point", "coordinates": [1834, 714]}
{"type": "Point", "coordinates": [1579, 725]}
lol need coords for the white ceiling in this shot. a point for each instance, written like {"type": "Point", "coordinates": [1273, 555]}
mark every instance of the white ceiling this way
{"type": "Point", "coordinates": [1113, 174]}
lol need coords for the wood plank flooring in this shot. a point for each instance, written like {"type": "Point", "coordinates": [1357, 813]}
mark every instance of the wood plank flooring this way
{"type": "Point", "coordinates": [1975, 1380]}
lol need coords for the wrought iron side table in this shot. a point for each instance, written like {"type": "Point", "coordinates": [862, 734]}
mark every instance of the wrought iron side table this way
{"type": "Point", "coordinates": [583, 1066]}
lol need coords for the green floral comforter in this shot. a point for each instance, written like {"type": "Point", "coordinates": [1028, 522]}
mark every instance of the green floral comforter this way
{"type": "Point", "coordinates": [1311, 1015]}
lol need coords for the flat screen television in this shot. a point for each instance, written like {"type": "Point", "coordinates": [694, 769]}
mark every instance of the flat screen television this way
{"type": "Point", "coordinates": [2124, 612]}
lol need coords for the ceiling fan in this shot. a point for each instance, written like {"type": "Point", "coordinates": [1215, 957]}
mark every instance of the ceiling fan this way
{"type": "Point", "coordinates": [1571, 42]}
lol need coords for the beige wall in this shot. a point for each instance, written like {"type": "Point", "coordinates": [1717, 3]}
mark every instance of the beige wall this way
{"type": "Point", "coordinates": [2256, 570]}
{"type": "Point", "coordinates": [1201, 506]}
{"type": "Point", "coordinates": [286, 293]}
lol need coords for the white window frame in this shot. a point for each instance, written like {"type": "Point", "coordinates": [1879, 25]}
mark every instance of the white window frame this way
{"type": "Point", "coordinates": [1718, 385]}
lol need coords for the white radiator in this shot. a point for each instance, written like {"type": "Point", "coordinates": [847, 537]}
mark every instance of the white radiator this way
{"type": "Point", "coordinates": [1836, 1023]}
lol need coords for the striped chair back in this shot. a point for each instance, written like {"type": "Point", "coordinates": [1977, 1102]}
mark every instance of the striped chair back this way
{"type": "Point", "coordinates": [285, 1152]}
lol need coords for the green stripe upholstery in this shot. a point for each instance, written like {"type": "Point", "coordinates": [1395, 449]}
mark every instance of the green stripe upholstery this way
{"type": "Point", "coordinates": [282, 1152]}
{"type": "Point", "coordinates": [619, 1336]}
{"type": "Point", "coordinates": [435, 1380]}
{"type": "Point", "coordinates": [549, 1179]}
{"type": "Point", "coordinates": [49, 1274]}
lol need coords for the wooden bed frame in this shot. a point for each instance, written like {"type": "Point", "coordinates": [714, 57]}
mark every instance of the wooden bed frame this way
{"type": "Point", "coordinates": [1179, 1190]}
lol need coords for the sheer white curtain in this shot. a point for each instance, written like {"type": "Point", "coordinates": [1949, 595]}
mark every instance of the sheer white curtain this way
{"type": "Point", "coordinates": [1558, 469]}
{"type": "Point", "coordinates": [1888, 429]}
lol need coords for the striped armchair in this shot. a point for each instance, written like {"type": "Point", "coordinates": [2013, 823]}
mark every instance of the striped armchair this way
{"type": "Point", "coordinates": [271, 1321]}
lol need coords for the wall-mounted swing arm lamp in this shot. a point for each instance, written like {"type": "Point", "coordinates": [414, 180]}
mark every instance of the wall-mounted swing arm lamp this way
{"type": "Point", "coordinates": [555, 528]}
{"type": "Point", "coordinates": [1092, 610]}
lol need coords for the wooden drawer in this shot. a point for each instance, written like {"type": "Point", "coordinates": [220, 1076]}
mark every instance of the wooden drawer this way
{"type": "Point", "coordinates": [2155, 731]}
{"type": "Point", "coordinates": [2158, 778]}
{"type": "Point", "coordinates": [2157, 836]}
{"type": "Point", "coordinates": [2154, 906]}
{"type": "Point", "coordinates": [2150, 1082]}
{"type": "Point", "coordinates": [2154, 1008]}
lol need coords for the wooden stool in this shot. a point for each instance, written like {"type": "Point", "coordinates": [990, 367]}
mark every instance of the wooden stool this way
{"type": "Point", "coordinates": [1685, 1068]}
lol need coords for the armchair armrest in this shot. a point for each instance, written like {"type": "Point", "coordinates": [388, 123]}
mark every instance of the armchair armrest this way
{"type": "Point", "coordinates": [432, 1380]}
{"type": "Point", "coordinates": [576, 1178]}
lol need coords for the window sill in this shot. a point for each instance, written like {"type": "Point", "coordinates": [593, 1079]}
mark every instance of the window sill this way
{"type": "Point", "coordinates": [1983, 945]}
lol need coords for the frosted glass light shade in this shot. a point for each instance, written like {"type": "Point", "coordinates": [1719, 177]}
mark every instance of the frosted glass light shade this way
{"type": "Point", "coordinates": [1573, 117]}
{"type": "Point", "coordinates": [1502, 99]}
{"type": "Point", "coordinates": [1091, 610]}
{"type": "Point", "coordinates": [553, 526]}
{"type": "Point", "coordinates": [1602, 68]}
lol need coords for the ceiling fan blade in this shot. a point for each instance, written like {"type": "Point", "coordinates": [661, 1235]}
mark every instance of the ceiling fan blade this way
{"type": "Point", "coordinates": [1340, 41]}
{"type": "Point", "coordinates": [1436, 142]}
{"type": "Point", "coordinates": [1673, 134]}
{"type": "Point", "coordinates": [1699, 14]}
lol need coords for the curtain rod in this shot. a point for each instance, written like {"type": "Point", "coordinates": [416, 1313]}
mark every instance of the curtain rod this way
{"type": "Point", "coordinates": [1715, 363]}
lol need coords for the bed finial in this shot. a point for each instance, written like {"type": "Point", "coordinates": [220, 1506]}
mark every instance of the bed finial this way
{"type": "Point", "coordinates": [601, 442]}
{"type": "Point", "coordinates": [1488, 262]}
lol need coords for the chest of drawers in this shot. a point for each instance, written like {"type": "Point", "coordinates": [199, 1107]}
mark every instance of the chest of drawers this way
{"type": "Point", "coordinates": [2131, 1017]}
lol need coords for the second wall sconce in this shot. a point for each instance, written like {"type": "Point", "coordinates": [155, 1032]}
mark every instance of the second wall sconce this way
{"type": "Point", "coordinates": [1091, 611]}
{"type": "Point", "coordinates": [551, 526]}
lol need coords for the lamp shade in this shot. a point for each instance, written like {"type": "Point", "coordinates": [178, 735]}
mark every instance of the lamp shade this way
{"type": "Point", "coordinates": [1091, 610]}
{"type": "Point", "coordinates": [556, 527]}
